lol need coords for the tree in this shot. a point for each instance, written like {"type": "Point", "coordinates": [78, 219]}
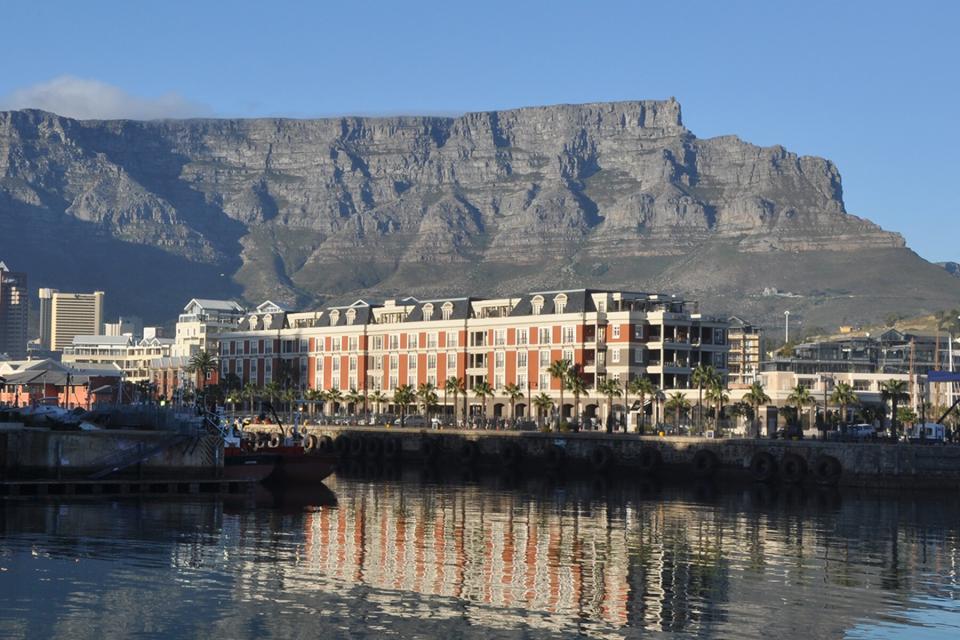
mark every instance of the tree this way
{"type": "Point", "coordinates": [454, 386]}
{"type": "Point", "coordinates": [513, 393]}
{"type": "Point", "coordinates": [378, 398]}
{"type": "Point", "coordinates": [355, 398]}
{"type": "Point", "coordinates": [704, 376]}
{"type": "Point", "coordinates": [800, 397]}
{"type": "Point", "coordinates": [272, 391]}
{"type": "Point", "coordinates": [610, 387]}
{"type": "Point", "coordinates": [202, 363]}
{"type": "Point", "coordinates": [312, 396]}
{"type": "Point", "coordinates": [482, 390]}
{"type": "Point", "coordinates": [906, 415]}
{"type": "Point", "coordinates": [719, 397]}
{"type": "Point", "coordinates": [425, 392]}
{"type": "Point", "coordinates": [677, 402]}
{"type": "Point", "coordinates": [544, 404]}
{"type": "Point", "coordinates": [559, 370]}
{"type": "Point", "coordinates": [755, 397]}
{"type": "Point", "coordinates": [403, 397]}
{"type": "Point", "coordinates": [577, 387]}
{"type": "Point", "coordinates": [643, 387]}
{"type": "Point", "coordinates": [334, 397]}
{"type": "Point", "coordinates": [250, 392]}
{"type": "Point", "coordinates": [289, 396]}
{"type": "Point", "coordinates": [894, 391]}
{"type": "Point", "coordinates": [844, 396]}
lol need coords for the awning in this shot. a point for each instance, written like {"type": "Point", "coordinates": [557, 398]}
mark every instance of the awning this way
{"type": "Point", "coordinates": [943, 376]}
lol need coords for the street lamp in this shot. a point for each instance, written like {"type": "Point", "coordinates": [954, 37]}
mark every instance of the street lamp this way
{"type": "Point", "coordinates": [786, 324]}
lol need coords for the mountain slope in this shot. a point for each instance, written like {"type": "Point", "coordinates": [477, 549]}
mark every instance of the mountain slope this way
{"type": "Point", "coordinates": [613, 194]}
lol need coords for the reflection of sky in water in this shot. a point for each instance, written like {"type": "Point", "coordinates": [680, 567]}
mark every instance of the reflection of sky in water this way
{"type": "Point", "coordinates": [928, 618]}
{"type": "Point", "coordinates": [533, 559]}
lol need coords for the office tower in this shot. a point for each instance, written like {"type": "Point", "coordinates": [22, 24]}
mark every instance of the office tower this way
{"type": "Point", "coordinates": [74, 314]}
{"type": "Point", "coordinates": [14, 313]}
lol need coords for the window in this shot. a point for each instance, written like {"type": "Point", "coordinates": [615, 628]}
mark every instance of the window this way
{"type": "Point", "coordinates": [498, 381]}
{"type": "Point", "coordinates": [412, 341]}
{"type": "Point", "coordinates": [638, 356]}
{"type": "Point", "coordinates": [616, 331]}
{"type": "Point", "coordinates": [319, 365]}
{"type": "Point", "coordinates": [428, 311]}
{"type": "Point", "coordinates": [334, 317]}
{"type": "Point", "coordinates": [377, 343]}
{"type": "Point", "coordinates": [568, 355]}
{"type": "Point", "coordinates": [499, 360]}
{"type": "Point", "coordinates": [335, 343]}
{"type": "Point", "coordinates": [560, 303]}
{"type": "Point", "coordinates": [601, 306]}
{"type": "Point", "coordinates": [544, 358]}
{"type": "Point", "coordinates": [353, 341]}
{"type": "Point", "coordinates": [394, 342]}
{"type": "Point", "coordinates": [353, 363]}
{"type": "Point", "coordinates": [544, 381]}
{"type": "Point", "coordinates": [351, 315]}
{"type": "Point", "coordinates": [522, 380]}
{"type": "Point", "coordinates": [500, 337]}
{"type": "Point", "coordinates": [432, 379]}
{"type": "Point", "coordinates": [412, 361]}
{"type": "Point", "coordinates": [431, 361]}
{"type": "Point", "coordinates": [521, 336]}
{"type": "Point", "coordinates": [412, 378]}
{"type": "Point", "coordinates": [451, 338]}
{"type": "Point", "coordinates": [615, 356]}
{"type": "Point", "coordinates": [394, 362]}
{"type": "Point", "coordinates": [536, 305]}
{"type": "Point", "coordinates": [393, 381]}
{"type": "Point", "coordinates": [352, 382]}
{"type": "Point", "coordinates": [544, 335]}
{"type": "Point", "coordinates": [451, 363]}
{"type": "Point", "coordinates": [569, 335]}
{"type": "Point", "coordinates": [335, 364]}
{"type": "Point", "coordinates": [638, 332]}
{"type": "Point", "coordinates": [447, 310]}
{"type": "Point", "coordinates": [521, 359]}
{"type": "Point", "coordinates": [431, 340]}
{"type": "Point", "coordinates": [304, 346]}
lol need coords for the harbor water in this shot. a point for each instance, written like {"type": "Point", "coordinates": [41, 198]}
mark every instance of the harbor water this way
{"type": "Point", "coordinates": [415, 555]}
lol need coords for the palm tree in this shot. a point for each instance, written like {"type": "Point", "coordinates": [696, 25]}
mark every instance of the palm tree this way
{"type": "Point", "coordinates": [643, 387]}
{"type": "Point", "coordinates": [378, 398]}
{"type": "Point", "coordinates": [906, 415]}
{"type": "Point", "coordinates": [482, 390]}
{"type": "Point", "coordinates": [289, 396]}
{"type": "Point", "coordinates": [513, 393]}
{"type": "Point", "coordinates": [312, 396]}
{"type": "Point", "coordinates": [576, 386]}
{"type": "Point", "coordinates": [894, 391]}
{"type": "Point", "coordinates": [403, 397]}
{"type": "Point", "coordinates": [719, 397]}
{"type": "Point", "coordinates": [755, 397]}
{"type": "Point", "coordinates": [800, 397]}
{"type": "Point", "coordinates": [425, 391]}
{"type": "Point", "coordinates": [844, 396]}
{"type": "Point", "coordinates": [677, 402]}
{"type": "Point", "coordinates": [202, 363]}
{"type": "Point", "coordinates": [354, 398]}
{"type": "Point", "coordinates": [544, 404]}
{"type": "Point", "coordinates": [559, 370]}
{"type": "Point", "coordinates": [334, 397]}
{"type": "Point", "coordinates": [272, 391]}
{"type": "Point", "coordinates": [704, 376]}
{"type": "Point", "coordinates": [250, 393]}
{"type": "Point", "coordinates": [610, 387]}
{"type": "Point", "coordinates": [454, 386]}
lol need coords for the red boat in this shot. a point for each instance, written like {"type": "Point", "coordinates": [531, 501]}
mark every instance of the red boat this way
{"type": "Point", "coordinates": [275, 460]}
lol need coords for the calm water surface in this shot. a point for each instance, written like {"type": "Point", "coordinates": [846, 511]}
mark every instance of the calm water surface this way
{"type": "Point", "coordinates": [420, 557]}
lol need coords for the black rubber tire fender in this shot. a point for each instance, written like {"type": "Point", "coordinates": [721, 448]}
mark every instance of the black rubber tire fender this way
{"type": "Point", "coordinates": [429, 448]}
{"type": "Point", "coordinates": [793, 468]}
{"type": "Point", "coordinates": [373, 447]}
{"type": "Point", "coordinates": [649, 460]}
{"type": "Point", "coordinates": [391, 447]}
{"type": "Point", "coordinates": [705, 463]}
{"type": "Point", "coordinates": [469, 452]}
{"type": "Point", "coordinates": [827, 469]}
{"type": "Point", "coordinates": [357, 447]}
{"type": "Point", "coordinates": [763, 466]}
{"type": "Point", "coordinates": [601, 458]}
{"type": "Point", "coordinates": [342, 445]}
{"type": "Point", "coordinates": [555, 456]}
{"type": "Point", "coordinates": [310, 443]}
{"type": "Point", "coordinates": [274, 441]}
{"type": "Point", "coordinates": [511, 454]}
{"type": "Point", "coordinates": [325, 444]}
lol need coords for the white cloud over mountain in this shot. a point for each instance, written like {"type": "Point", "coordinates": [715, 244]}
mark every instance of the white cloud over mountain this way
{"type": "Point", "coordinates": [88, 99]}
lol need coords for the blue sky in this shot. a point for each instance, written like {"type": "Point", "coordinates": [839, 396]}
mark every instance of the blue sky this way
{"type": "Point", "coordinates": [874, 86]}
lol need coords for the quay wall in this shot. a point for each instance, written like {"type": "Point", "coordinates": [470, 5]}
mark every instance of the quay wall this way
{"type": "Point", "coordinates": [27, 452]}
{"type": "Point", "coordinates": [881, 465]}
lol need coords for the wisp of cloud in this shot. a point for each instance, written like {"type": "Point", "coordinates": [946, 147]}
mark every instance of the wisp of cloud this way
{"type": "Point", "coordinates": [87, 99]}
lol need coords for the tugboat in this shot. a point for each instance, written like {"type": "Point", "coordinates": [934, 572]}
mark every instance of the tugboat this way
{"type": "Point", "coordinates": [276, 459]}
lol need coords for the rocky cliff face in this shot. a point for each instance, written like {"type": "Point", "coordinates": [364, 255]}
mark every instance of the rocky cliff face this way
{"type": "Point", "coordinates": [591, 194]}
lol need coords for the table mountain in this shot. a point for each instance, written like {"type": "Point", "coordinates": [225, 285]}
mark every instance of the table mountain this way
{"type": "Point", "coordinates": [302, 211]}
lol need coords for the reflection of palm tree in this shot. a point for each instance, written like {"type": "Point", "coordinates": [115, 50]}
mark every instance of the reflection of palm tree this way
{"type": "Point", "coordinates": [544, 404]}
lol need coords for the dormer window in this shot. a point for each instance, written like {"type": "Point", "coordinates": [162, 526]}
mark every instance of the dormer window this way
{"type": "Point", "coordinates": [447, 310]}
{"type": "Point", "coordinates": [351, 315]}
{"type": "Point", "coordinates": [334, 317]}
{"type": "Point", "coordinates": [267, 320]}
{"type": "Point", "coordinates": [560, 303]}
{"type": "Point", "coordinates": [253, 322]}
{"type": "Point", "coordinates": [428, 311]}
{"type": "Point", "coordinates": [537, 305]}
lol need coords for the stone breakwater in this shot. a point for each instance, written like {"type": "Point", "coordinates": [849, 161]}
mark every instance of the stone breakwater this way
{"type": "Point", "coordinates": [773, 461]}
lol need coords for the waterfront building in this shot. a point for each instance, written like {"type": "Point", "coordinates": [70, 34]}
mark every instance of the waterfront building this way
{"type": "Point", "coordinates": [132, 356]}
{"type": "Point", "coordinates": [38, 382]}
{"type": "Point", "coordinates": [201, 321]}
{"type": "Point", "coordinates": [125, 325]}
{"type": "Point", "coordinates": [70, 314]}
{"type": "Point", "coordinates": [14, 313]}
{"type": "Point", "coordinates": [378, 347]}
{"type": "Point", "coordinates": [746, 352]}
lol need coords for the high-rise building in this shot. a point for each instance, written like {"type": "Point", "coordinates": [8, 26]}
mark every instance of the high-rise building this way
{"type": "Point", "coordinates": [46, 313]}
{"type": "Point", "coordinates": [13, 313]}
{"type": "Point", "coordinates": [74, 314]}
{"type": "Point", "coordinates": [746, 350]}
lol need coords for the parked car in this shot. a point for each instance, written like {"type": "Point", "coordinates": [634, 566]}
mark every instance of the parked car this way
{"type": "Point", "coordinates": [412, 421]}
{"type": "Point", "coordinates": [862, 432]}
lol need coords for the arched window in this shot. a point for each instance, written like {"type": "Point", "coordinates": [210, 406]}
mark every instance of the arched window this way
{"type": "Point", "coordinates": [351, 315]}
{"type": "Point", "coordinates": [253, 322]}
{"type": "Point", "coordinates": [334, 317]}
{"type": "Point", "coordinates": [447, 310]}
{"type": "Point", "coordinates": [428, 311]}
{"type": "Point", "coordinates": [537, 305]}
{"type": "Point", "coordinates": [560, 303]}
